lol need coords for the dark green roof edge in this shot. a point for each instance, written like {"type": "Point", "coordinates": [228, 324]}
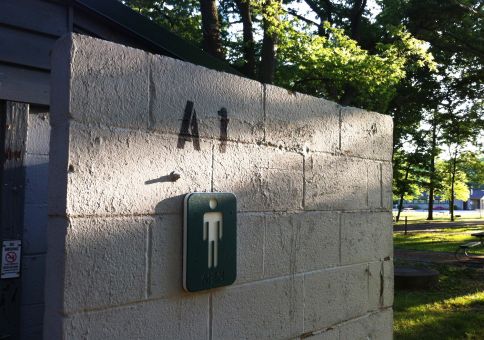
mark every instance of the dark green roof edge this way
{"type": "Point", "coordinates": [153, 33]}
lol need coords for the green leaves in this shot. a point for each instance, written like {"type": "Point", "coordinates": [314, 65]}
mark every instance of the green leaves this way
{"type": "Point", "coordinates": [325, 66]}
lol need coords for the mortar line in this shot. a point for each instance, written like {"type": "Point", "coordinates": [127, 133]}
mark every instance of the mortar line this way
{"type": "Point", "coordinates": [149, 246]}
{"type": "Point", "coordinates": [340, 122]}
{"type": "Point", "coordinates": [210, 317]}
{"type": "Point", "coordinates": [340, 223]}
{"type": "Point", "coordinates": [303, 301]}
{"type": "Point", "coordinates": [381, 185]}
{"type": "Point", "coordinates": [340, 324]}
{"type": "Point", "coordinates": [304, 183]}
{"type": "Point", "coordinates": [264, 231]}
{"type": "Point", "coordinates": [368, 283]}
{"type": "Point", "coordinates": [270, 279]}
{"type": "Point", "coordinates": [260, 212]}
{"type": "Point", "coordinates": [211, 167]}
{"type": "Point", "coordinates": [151, 95]}
{"type": "Point", "coordinates": [276, 147]}
{"type": "Point", "coordinates": [367, 187]}
{"type": "Point", "coordinates": [264, 119]}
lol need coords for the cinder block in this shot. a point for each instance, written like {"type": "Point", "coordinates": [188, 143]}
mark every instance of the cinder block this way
{"type": "Point", "coordinates": [335, 182]}
{"type": "Point", "coordinates": [250, 247]}
{"type": "Point", "coordinates": [377, 326]}
{"type": "Point", "coordinates": [388, 283]}
{"type": "Point", "coordinates": [33, 274]}
{"type": "Point", "coordinates": [270, 309]}
{"type": "Point", "coordinates": [300, 242]}
{"type": "Point", "coordinates": [299, 121]}
{"type": "Point", "coordinates": [365, 236]}
{"type": "Point", "coordinates": [109, 83]}
{"type": "Point", "coordinates": [262, 178]}
{"type": "Point", "coordinates": [119, 171]}
{"type": "Point", "coordinates": [36, 179]}
{"type": "Point", "coordinates": [334, 295]}
{"type": "Point", "coordinates": [387, 178]}
{"type": "Point", "coordinates": [34, 238]}
{"type": "Point", "coordinates": [105, 261]}
{"type": "Point", "coordinates": [374, 185]}
{"type": "Point", "coordinates": [54, 277]}
{"type": "Point", "coordinates": [38, 134]}
{"type": "Point", "coordinates": [375, 285]}
{"type": "Point", "coordinates": [58, 163]}
{"type": "Point", "coordinates": [180, 318]}
{"type": "Point", "coordinates": [175, 83]}
{"type": "Point", "coordinates": [165, 256]}
{"type": "Point", "coordinates": [318, 234]}
{"type": "Point", "coordinates": [366, 134]}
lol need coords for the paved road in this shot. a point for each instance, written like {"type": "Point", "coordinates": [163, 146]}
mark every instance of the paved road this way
{"type": "Point", "coordinates": [437, 225]}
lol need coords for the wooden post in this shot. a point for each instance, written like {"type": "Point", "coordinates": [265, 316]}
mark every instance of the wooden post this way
{"type": "Point", "coordinates": [13, 133]}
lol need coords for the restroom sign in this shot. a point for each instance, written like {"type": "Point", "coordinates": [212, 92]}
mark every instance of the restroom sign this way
{"type": "Point", "coordinates": [11, 259]}
{"type": "Point", "coordinates": [209, 240]}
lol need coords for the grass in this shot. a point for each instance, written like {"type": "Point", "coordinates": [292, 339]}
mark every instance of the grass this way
{"type": "Point", "coordinates": [447, 240]}
{"type": "Point", "coordinates": [452, 310]}
{"type": "Point", "coordinates": [414, 217]}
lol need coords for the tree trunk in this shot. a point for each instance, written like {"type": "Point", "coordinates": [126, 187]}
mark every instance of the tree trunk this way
{"type": "Point", "coordinates": [452, 189]}
{"type": "Point", "coordinates": [324, 10]}
{"type": "Point", "coordinates": [402, 194]}
{"type": "Point", "coordinates": [433, 147]}
{"type": "Point", "coordinates": [248, 38]}
{"type": "Point", "coordinates": [211, 29]}
{"type": "Point", "coordinates": [355, 19]}
{"type": "Point", "coordinates": [268, 59]}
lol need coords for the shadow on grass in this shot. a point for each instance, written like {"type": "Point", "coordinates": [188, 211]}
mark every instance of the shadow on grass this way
{"type": "Point", "coordinates": [452, 310]}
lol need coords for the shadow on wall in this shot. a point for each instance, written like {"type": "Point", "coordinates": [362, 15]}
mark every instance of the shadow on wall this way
{"type": "Point", "coordinates": [34, 246]}
{"type": "Point", "coordinates": [128, 249]}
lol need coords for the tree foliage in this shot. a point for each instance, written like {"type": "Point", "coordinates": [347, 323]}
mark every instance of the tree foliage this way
{"type": "Point", "coordinates": [419, 61]}
{"type": "Point", "coordinates": [461, 189]}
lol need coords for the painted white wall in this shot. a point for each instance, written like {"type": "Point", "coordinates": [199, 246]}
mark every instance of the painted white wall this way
{"type": "Point", "coordinates": [312, 177]}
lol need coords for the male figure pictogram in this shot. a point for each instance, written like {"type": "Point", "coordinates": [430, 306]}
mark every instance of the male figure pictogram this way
{"type": "Point", "coordinates": [212, 233]}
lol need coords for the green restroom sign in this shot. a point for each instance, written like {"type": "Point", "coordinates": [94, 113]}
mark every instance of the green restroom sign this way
{"type": "Point", "coordinates": [209, 240]}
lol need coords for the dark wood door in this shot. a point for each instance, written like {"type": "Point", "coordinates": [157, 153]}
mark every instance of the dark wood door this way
{"type": "Point", "coordinates": [13, 133]}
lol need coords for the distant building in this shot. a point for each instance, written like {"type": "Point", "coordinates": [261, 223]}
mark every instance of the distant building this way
{"type": "Point", "coordinates": [476, 199]}
{"type": "Point", "coordinates": [474, 202]}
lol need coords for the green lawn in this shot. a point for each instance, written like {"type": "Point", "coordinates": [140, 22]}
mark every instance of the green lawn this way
{"type": "Point", "coordinates": [452, 310]}
{"type": "Point", "coordinates": [447, 240]}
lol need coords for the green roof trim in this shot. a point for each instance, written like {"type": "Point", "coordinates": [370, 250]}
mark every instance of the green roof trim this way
{"type": "Point", "coordinates": [155, 34]}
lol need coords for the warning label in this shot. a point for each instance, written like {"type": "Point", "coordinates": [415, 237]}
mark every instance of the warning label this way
{"type": "Point", "coordinates": [11, 259]}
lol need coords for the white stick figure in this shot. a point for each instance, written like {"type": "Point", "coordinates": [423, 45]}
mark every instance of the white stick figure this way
{"type": "Point", "coordinates": [212, 232]}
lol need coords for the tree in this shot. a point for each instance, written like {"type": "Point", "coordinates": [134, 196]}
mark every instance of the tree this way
{"type": "Point", "coordinates": [407, 179]}
{"type": "Point", "coordinates": [462, 126]}
{"type": "Point", "coordinates": [472, 164]}
{"type": "Point", "coordinates": [409, 61]}
{"type": "Point", "coordinates": [179, 16]}
{"type": "Point", "coordinates": [211, 29]}
{"type": "Point", "coordinates": [454, 185]}
{"type": "Point", "coordinates": [248, 45]}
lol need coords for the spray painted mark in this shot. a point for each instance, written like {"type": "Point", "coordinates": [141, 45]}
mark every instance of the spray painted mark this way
{"type": "Point", "coordinates": [224, 121]}
{"type": "Point", "coordinates": [189, 128]}
{"type": "Point", "coordinates": [189, 122]}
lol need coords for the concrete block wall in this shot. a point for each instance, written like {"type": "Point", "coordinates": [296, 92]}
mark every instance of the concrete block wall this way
{"type": "Point", "coordinates": [312, 180]}
{"type": "Point", "coordinates": [35, 223]}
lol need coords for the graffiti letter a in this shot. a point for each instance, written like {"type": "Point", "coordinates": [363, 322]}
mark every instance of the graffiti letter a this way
{"type": "Point", "coordinates": [189, 128]}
